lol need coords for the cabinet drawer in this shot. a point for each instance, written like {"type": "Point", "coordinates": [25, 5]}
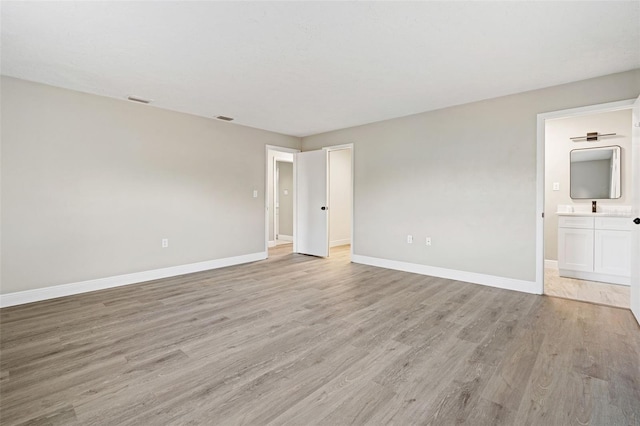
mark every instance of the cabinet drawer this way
{"type": "Point", "coordinates": [613, 223]}
{"type": "Point", "coordinates": [576, 222]}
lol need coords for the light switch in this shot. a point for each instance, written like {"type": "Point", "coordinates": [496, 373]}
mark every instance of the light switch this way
{"type": "Point", "coordinates": [255, 193]}
{"type": "Point", "coordinates": [556, 186]}
{"type": "Point", "coordinates": [286, 192]}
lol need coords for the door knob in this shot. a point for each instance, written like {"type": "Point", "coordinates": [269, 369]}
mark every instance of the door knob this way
{"type": "Point", "coordinates": [636, 220]}
{"type": "Point", "coordinates": [324, 208]}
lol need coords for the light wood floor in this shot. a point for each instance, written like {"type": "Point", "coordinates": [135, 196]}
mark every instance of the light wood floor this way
{"type": "Point", "coordinates": [299, 340]}
{"type": "Point", "coordinates": [586, 291]}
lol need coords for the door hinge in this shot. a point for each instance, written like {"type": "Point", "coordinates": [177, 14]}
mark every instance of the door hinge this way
{"type": "Point", "coordinates": [543, 215]}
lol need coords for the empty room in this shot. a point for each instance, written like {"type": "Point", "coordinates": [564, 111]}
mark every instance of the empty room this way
{"type": "Point", "coordinates": [319, 213]}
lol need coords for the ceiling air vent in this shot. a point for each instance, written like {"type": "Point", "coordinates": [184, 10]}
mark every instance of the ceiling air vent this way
{"type": "Point", "coordinates": [222, 117]}
{"type": "Point", "coordinates": [137, 99]}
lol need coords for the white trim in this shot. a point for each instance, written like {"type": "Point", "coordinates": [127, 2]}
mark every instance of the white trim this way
{"type": "Point", "coordinates": [29, 296]}
{"type": "Point", "coordinates": [282, 149]}
{"type": "Point", "coordinates": [338, 147]}
{"type": "Point", "coordinates": [540, 143]}
{"type": "Point", "coordinates": [283, 237]}
{"type": "Point", "coordinates": [470, 277]}
{"type": "Point", "coordinates": [551, 264]}
{"type": "Point", "coordinates": [271, 243]}
{"type": "Point", "coordinates": [336, 243]}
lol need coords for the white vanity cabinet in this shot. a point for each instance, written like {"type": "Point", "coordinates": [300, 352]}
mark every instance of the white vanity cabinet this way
{"type": "Point", "coordinates": [596, 248]}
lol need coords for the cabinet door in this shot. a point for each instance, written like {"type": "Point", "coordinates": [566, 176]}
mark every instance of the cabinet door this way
{"type": "Point", "coordinates": [612, 252]}
{"type": "Point", "coordinates": [575, 249]}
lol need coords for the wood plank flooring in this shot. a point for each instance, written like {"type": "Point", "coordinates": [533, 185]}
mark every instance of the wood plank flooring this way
{"type": "Point", "coordinates": [298, 340]}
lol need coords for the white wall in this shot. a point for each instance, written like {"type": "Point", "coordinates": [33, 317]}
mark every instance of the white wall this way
{"type": "Point", "coordinates": [90, 186]}
{"type": "Point", "coordinates": [339, 197]}
{"type": "Point", "coordinates": [557, 149]}
{"type": "Point", "coordinates": [465, 176]}
{"type": "Point", "coordinates": [285, 197]}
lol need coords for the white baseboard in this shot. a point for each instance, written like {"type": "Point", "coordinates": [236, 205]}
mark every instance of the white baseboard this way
{"type": "Point", "coordinates": [452, 274]}
{"type": "Point", "coordinates": [28, 296]}
{"type": "Point", "coordinates": [592, 276]}
{"type": "Point", "coordinates": [336, 243]}
{"type": "Point", "coordinates": [271, 244]}
{"type": "Point", "coordinates": [283, 237]}
{"type": "Point", "coordinates": [551, 264]}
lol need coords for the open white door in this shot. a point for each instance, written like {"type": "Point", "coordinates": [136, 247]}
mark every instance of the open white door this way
{"type": "Point", "coordinates": [312, 218]}
{"type": "Point", "coordinates": [635, 234]}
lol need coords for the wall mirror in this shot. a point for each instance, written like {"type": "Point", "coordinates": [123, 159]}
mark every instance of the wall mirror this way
{"type": "Point", "coordinates": [595, 173]}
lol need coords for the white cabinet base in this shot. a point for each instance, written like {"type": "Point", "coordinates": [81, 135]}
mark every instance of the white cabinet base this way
{"type": "Point", "coordinates": [592, 276]}
{"type": "Point", "coordinates": [595, 248]}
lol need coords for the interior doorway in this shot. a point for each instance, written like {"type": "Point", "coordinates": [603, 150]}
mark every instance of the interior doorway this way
{"type": "Point", "coordinates": [582, 255]}
{"type": "Point", "coordinates": [340, 198]}
{"type": "Point", "coordinates": [283, 202]}
{"type": "Point", "coordinates": [279, 199]}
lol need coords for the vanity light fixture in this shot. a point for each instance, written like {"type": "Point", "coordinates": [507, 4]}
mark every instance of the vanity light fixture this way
{"type": "Point", "coordinates": [139, 99]}
{"type": "Point", "coordinates": [591, 137]}
{"type": "Point", "coordinates": [223, 118]}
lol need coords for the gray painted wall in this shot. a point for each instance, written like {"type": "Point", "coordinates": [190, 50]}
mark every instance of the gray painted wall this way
{"type": "Point", "coordinates": [465, 176]}
{"type": "Point", "coordinates": [557, 153]}
{"type": "Point", "coordinates": [90, 186]}
{"type": "Point", "coordinates": [285, 192]}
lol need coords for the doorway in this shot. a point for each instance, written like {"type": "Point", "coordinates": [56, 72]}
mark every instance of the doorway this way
{"type": "Point", "coordinates": [279, 199]}
{"type": "Point", "coordinates": [572, 242]}
{"type": "Point", "coordinates": [340, 199]}
{"type": "Point", "coordinates": [283, 202]}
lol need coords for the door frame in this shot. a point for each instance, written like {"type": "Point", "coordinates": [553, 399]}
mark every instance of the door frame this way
{"type": "Point", "coordinates": [351, 147]}
{"type": "Point", "coordinates": [266, 191]}
{"type": "Point", "coordinates": [276, 200]}
{"type": "Point", "coordinates": [540, 159]}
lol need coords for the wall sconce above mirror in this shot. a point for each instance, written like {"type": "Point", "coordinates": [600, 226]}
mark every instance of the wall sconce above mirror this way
{"type": "Point", "coordinates": [595, 173]}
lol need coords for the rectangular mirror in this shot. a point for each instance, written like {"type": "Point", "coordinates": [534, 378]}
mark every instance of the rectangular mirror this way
{"type": "Point", "coordinates": [595, 173]}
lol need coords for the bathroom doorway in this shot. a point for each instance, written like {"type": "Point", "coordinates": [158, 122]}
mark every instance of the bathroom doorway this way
{"type": "Point", "coordinates": [587, 254]}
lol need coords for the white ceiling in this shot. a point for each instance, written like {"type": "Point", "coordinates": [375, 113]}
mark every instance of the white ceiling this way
{"type": "Point", "coordinates": [310, 67]}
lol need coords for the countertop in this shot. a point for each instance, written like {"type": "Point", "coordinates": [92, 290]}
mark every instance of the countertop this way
{"type": "Point", "coordinates": [599, 214]}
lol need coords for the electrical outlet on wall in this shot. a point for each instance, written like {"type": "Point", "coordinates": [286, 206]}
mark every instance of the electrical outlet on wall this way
{"type": "Point", "coordinates": [409, 239]}
{"type": "Point", "coordinates": [165, 242]}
